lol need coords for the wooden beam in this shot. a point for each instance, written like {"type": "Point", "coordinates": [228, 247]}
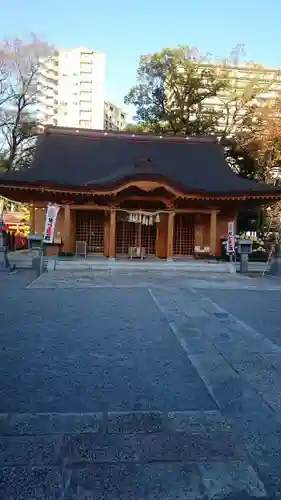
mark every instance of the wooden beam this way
{"type": "Point", "coordinates": [67, 247]}
{"type": "Point", "coordinates": [213, 232]}
{"type": "Point", "coordinates": [32, 219]}
{"type": "Point", "coordinates": [106, 234]}
{"type": "Point", "coordinates": [138, 184]}
{"type": "Point", "coordinates": [143, 198]}
{"type": "Point", "coordinates": [192, 211]}
{"type": "Point", "coordinates": [170, 235]}
{"type": "Point", "coordinates": [17, 192]}
{"type": "Point", "coordinates": [90, 206]}
{"type": "Point", "coordinates": [112, 234]}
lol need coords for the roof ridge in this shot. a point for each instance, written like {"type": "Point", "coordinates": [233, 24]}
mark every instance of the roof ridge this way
{"type": "Point", "coordinates": [143, 136]}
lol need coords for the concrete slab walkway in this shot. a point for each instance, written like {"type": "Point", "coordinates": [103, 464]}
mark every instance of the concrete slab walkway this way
{"type": "Point", "coordinates": [137, 386]}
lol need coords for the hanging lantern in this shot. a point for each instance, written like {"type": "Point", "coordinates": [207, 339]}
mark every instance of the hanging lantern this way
{"type": "Point", "coordinates": [147, 221]}
{"type": "Point", "coordinates": [139, 219]}
{"type": "Point", "coordinates": [135, 218]}
{"type": "Point", "coordinates": [131, 218]}
{"type": "Point", "coordinates": [144, 220]}
{"type": "Point", "coordinates": [151, 221]}
{"type": "Point", "coordinates": [157, 218]}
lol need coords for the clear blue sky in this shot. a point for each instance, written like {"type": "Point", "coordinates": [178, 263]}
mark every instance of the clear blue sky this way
{"type": "Point", "coordinates": [125, 29]}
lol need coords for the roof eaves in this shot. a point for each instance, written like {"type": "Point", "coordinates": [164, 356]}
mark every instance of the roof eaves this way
{"type": "Point", "coordinates": [143, 136]}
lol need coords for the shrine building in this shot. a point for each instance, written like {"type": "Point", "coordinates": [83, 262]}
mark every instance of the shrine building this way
{"type": "Point", "coordinates": [123, 193]}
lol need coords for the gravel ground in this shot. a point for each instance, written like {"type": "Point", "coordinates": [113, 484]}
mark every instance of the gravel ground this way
{"type": "Point", "coordinates": [139, 387]}
{"type": "Point", "coordinates": [259, 309]}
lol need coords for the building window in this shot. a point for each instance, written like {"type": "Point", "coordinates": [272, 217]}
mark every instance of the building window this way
{"type": "Point", "coordinates": [85, 71]}
{"type": "Point", "coordinates": [84, 114]}
{"type": "Point", "coordinates": [85, 123]}
{"type": "Point", "coordinates": [86, 66]}
{"type": "Point", "coordinates": [85, 109]}
{"type": "Point", "coordinates": [86, 57]}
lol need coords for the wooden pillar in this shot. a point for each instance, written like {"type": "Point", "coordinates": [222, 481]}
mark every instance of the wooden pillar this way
{"type": "Point", "coordinates": [198, 233]}
{"type": "Point", "coordinates": [170, 235]}
{"type": "Point", "coordinates": [213, 232]}
{"type": "Point", "coordinates": [32, 219]}
{"type": "Point", "coordinates": [112, 234]}
{"type": "Point", "coordinates": [67, 247]}
{"type": "Point", "coordinates": [106, 234]}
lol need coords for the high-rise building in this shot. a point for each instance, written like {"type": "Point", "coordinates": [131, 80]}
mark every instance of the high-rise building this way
{"type": "Point", "coordinates": [114, 117]}
{"type": "Point", "coordinates": [244, 79]}
{"type": "Point", "coordinates": [71, 89]}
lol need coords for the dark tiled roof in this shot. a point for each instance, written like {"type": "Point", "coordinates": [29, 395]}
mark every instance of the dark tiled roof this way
{"type": "Point", "coordinates": [99, 159]}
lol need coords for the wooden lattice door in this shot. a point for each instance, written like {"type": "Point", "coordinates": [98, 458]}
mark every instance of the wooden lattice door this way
{"type": "Point", "coordinates": [184, 237]}
{"type": "Point", "coordinates": [90, 228]}
{"type": "Point", "coordinates": [125, 236]}
{"type": "Point", "coordinates": [131, 234]}
{"type": "Point", "coordinates": [148, 238]}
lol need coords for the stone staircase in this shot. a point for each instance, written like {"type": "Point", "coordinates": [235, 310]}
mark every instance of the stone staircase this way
{"type": "Point", "coordinates": [23, 260]}
{"type": "Point", "coordinates": [145, 265]}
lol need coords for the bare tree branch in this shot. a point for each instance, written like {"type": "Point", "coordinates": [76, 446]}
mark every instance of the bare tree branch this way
{"type": "Point", "coordinates": [19, 70]}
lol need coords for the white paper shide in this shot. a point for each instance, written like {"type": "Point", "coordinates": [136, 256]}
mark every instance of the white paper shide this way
{"type": "Point", "coordinates": [50, 222]}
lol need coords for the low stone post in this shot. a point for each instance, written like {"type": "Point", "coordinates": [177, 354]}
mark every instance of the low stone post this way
{"type": "Point", "coordinates": [244, 263]}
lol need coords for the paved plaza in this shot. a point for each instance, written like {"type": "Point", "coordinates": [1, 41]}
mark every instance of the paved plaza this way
{"type": "Point", "coordinates": [139, 385]}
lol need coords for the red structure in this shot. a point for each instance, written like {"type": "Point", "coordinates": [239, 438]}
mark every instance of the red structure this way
{"type": "Point", "coordinates": [169, 196]}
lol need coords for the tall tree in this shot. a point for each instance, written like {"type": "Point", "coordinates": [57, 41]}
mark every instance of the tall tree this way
{"type": "Point", "coordinates": [244, 106]}
{"type": "Point", "coordinates": [136, 128]}
{"type": "Point", "coordinates": [19, 69]}
{"type": "Point", "coordinates": [172, 91]}
{"type": "Point", "coordinates": [268, 139]}
{"type": "Point", "coordinates": [241, 102]}
{"type": "Point", "coordinates": [268, 154]}
{"type": "Point", "coordinates": [178, 91]}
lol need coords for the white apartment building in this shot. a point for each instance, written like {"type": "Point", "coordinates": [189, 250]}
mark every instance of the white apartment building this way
{"type": "Point", "coordinates": [71, 89]}
{"type": "Point", "coordinates": [243, 79]}
{"type": "Point", "coordinates": [114, 117]}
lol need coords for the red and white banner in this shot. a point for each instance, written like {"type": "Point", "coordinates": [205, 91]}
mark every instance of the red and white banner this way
{"type": "Point", "coordinates": [230, 248]}
{"type": "Point", "coordinates": [50, 222]}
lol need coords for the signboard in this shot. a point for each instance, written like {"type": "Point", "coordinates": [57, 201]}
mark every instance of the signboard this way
{"type": "Point", "coordinates": [81, 248]}
{"type": "Point", "coordinates": [230, 247]}
{"type": "Point", "coordinates": [50, 222]}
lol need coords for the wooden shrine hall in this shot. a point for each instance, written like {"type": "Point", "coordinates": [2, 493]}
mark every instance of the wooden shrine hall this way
{"type": "Point", "coordinates": [133, 195]}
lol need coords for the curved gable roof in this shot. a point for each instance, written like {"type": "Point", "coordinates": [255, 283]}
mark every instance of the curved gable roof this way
{"type": "Point", "coordinates": [99, 159]}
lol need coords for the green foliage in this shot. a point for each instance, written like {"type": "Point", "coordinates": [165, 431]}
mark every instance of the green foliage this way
{"type": "Point", "coordinates": [136, 128]}
{"type": "Point", "coordinates": [241, 158]}
{"type": "Point", "coordinates": [179, 92]}
{"type": "Point", "coordinates": [171, 92]}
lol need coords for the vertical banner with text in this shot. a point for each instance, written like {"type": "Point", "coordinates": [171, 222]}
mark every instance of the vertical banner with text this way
{"type": "Point", "coordinates": [230, 248]}
{"type": "Point", "coordinates": [50, 222]}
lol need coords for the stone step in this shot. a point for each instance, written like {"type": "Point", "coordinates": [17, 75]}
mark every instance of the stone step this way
{"type": "Point", "coordinates": [124, 455]}
{"type": "Point", "coordinates": [192, 266]}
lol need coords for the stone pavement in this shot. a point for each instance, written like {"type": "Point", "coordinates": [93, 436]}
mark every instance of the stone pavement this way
{"type": "Point", "coordinates": [139, 386]}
